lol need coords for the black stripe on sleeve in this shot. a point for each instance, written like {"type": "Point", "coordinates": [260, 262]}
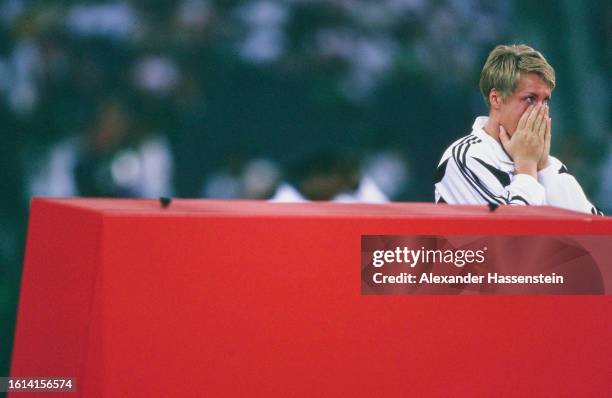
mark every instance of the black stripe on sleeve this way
{"type": "Point", "coordinates": [440, 172]}
{"type": "Point", "coordinates": [500, 199]}
{"type": "Point", "coordinates": [459, 155]}
{"type": "Point", "coordinates": [501, 176]}
{"type": "Point", "coordinates": [456, 157]}
{"type": "Point", "coordinates": [520, 199]}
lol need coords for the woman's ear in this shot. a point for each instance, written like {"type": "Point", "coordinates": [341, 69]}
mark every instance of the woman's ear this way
{"type": "Point", "coordinates": [495, 99]}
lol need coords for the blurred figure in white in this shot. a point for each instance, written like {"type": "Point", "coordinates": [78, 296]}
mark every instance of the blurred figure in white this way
{"type": "Point", "coordinates": [329, 175]}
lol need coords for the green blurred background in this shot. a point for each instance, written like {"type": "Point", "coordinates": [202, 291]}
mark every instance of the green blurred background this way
{"type": "Point", "coordinates": [242, 99]}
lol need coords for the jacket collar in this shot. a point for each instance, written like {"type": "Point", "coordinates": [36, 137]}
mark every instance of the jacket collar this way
{"type": "Point", "coordinates": [496, 148]}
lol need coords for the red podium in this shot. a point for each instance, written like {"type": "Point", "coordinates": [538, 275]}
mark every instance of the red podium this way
{"type": "Point", "coordinates": [238, 298]}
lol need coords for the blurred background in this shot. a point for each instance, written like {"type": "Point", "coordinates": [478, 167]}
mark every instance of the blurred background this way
{"type": "Point", "coordinates": [348, 100]}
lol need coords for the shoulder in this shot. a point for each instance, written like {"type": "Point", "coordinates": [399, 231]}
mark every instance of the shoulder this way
{"type": "Point", "coordinates": [474, 158]}
{"type": "Point", "coordinates": [558, 165]}
{"type": "Point", "coordinates": [469, 146]}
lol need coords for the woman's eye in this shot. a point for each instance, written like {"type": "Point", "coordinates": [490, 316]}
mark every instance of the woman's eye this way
{"type": "Point", "coordinates": [530, 100]}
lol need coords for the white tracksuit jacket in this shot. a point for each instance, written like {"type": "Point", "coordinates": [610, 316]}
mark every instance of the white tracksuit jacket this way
{"type": "Point", "coordinates": [476, 170]}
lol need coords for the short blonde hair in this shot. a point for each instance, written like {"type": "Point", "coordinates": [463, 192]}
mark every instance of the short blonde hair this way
{"type": "Point", "coordinates": [504, 66]}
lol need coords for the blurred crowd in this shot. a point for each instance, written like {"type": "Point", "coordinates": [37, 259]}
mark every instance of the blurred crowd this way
{"type": "Point", "coordinates": [191, 98]}
{"type": "Point", "coordinates": [349, 100]}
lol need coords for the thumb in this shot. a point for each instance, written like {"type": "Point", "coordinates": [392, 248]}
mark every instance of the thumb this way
{"type": "Point", "coordinates": [503, 136]}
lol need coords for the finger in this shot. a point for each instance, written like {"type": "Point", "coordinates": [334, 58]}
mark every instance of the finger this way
{"type": "Point", "coordinates": [543, 121]}
{"type": "Point", "coordinates": [547, 118]}
{"type": "Point", "coordinates": [533, 117]}
{"type": "Point", "coordinates": [523, 120]}
{"type": "Point", "coordinates": [540, 123]}
{"type": "Point", "coordinates": [547, 126]}
{"type": "Point", "coordinates": [547, 130]}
